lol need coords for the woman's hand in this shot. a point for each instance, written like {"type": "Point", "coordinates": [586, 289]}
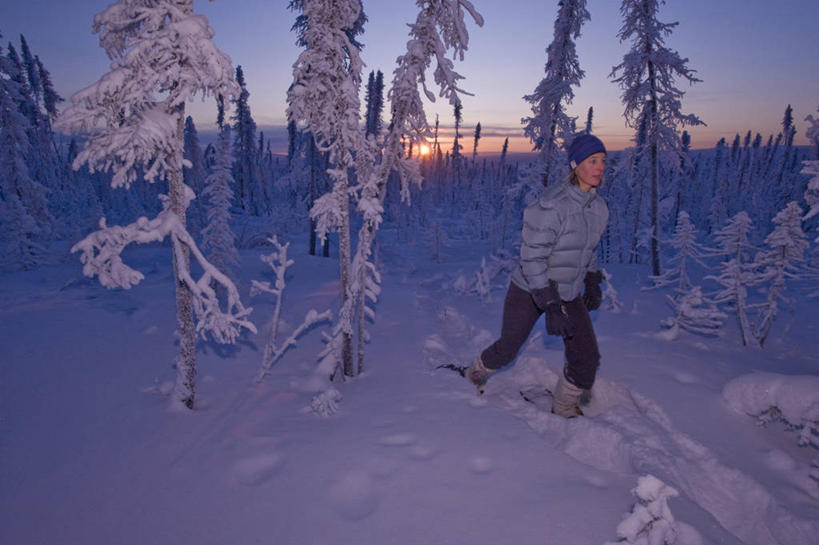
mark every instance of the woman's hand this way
{"type": "Point", "coordinates": [548, 300]}
{"type": "Point", "coordinates": [592, 295]}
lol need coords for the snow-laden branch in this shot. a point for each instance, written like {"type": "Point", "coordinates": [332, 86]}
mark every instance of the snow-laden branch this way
{"type": "Point", "coordinates": [101, 257]}
{"type": "Point", "coordinates": [163, 56]}
{"type": "Point", "coordinates": [279, 262]}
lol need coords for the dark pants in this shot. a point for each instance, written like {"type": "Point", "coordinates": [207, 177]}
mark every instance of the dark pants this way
{"type": "Point", "coordinates": [519, 316]}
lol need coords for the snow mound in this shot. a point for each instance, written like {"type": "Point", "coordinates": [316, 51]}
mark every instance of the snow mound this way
{"type": "Point", "coordinates": [796, 397]}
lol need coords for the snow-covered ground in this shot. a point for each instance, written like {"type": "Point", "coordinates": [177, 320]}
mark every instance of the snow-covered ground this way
{"type": "Point", "coordinates": [90, 453]}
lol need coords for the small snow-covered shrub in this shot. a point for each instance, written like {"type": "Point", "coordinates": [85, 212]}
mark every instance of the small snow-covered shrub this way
{"type": "Point", "coordinates": [326, 403]}
{"type": "Point", "coordinates": [497, 267]}
{"type": "Point", "coordinates": [650, 521]}
{"type": "Point", "coordinates": [693, 312]}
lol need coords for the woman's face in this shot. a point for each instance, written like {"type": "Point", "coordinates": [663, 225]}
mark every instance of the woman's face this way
{"type": "Point", "coordinates": [590, 171]}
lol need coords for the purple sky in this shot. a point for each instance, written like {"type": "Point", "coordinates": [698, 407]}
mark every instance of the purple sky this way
{"type": "Point", "coordinates": [755, 57]}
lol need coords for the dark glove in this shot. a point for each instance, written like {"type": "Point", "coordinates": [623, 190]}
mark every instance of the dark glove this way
{"type": "Point", "coordinates": [548, 300]}
{"type": "Point", "coordinates": [592, 295]}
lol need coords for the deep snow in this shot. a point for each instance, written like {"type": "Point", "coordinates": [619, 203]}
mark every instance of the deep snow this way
{"type": "Point", "coordinates": [92, 455]}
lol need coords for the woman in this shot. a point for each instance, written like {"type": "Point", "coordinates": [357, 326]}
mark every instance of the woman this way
{"type": "Point", "coordinates": [558, 259]}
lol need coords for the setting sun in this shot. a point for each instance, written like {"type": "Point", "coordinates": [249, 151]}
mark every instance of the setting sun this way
{"type": "Point", "coordinates": [424, 149]}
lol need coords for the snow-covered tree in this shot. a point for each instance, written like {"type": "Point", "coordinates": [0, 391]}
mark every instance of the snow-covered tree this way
{"type": "Point", "coordinates": [162, 56]}
{"type": "Point", "coordinates": [693, 312]}
{"type": "Point", "coordinates": [245, 170]}
{"type": "Point", "coordinates": [778, 262]}
{"type": "Point", "coordinates": [436, 239]}
{"type": "Point", "coordinates": [194, 175]}
{"type": "Point", "coordinates": [24, 217]}
{"type": "Point", "coordinates": [651, 521]}
{"type": "Point", "coordinates": [812, 134]}
{"type": "Point", "coordinates": [375, 103]}
{"type": "Point", "coordinates": [686, 248]}
{"type": "Point", "coordinates": [438, 28]}
{"type": "Point", "coordinates": [324, 96]}
{"type": "Point", "coordinates": [218, 239]}
{"type": "Point", "coordinates": [647, 77]}
{"type": "Point", "coordinates": [549, 121]}
{"type": "Point", "coordinates": [735, 273]}
{"type": "Point", "coordinates": [475, 142]}
{"type": "Point", "coordinates": [811, 168]}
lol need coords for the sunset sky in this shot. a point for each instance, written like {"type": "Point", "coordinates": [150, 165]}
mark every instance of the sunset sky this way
{"type": "Point", "coordinates": [754, 58]}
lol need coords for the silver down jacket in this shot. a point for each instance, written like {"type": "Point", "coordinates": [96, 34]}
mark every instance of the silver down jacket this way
{"type": "Point", "coordinates": [561, 231]}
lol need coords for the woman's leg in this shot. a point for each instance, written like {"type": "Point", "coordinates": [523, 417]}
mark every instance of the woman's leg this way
{"type": "Point", "coordinates": [582, 353]}
{"type": "Point", "coordinates": [519, 316]}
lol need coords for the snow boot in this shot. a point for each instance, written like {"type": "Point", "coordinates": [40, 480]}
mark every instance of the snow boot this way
{"type": "Point", "coordinates": [478, 374]}
{"type": "Point", "coordinates": [566, 399]}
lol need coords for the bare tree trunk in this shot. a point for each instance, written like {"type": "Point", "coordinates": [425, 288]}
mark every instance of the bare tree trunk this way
{"type": "Point", "coordinates": [344, 260]}
{"type": "Point", "coordinates": [186, 332]}
{"type": "Point", "coordinates": [313, 191]}
{"type": "Point", "coordinates": [655, 174]}
{"type": "Point", "coordinates": [655, 212]}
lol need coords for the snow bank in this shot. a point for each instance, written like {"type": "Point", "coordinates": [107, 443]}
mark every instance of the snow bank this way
{"type": "Point", "coordinates": [796, 397]}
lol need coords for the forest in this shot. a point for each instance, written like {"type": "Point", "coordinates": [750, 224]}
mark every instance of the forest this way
{"type": "Point", "coordinates": [118, 181]}
{"type": "Point", "coordinates": [740, 205]}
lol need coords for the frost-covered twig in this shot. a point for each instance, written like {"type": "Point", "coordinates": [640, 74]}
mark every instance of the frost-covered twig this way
{"type": "Point", "coordinates": [279, 262]}
{"type": "Point", "coordinates": [101, 257]}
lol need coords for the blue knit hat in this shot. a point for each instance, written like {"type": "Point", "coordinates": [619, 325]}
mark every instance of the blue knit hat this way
{"type": "Point", "coordinates": [582, 146]}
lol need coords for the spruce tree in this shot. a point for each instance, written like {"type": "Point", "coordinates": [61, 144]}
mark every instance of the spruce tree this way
{"type": "Point", "coordinates": [736, 276]}
{"type": "Point", "coordinates": [194, 175]}
{"type": "Point", "coordinates": [549, 121]}
{"type": "Point", "coordinates": [812, 134]}
{"type": "Point", "coordinates": [475, 144]}
{"type": "Point", "coordinates": [218, 240]}
{"type": "Point", "coordinates": [244, 149]}
{"type": "Point", "coordinates": [324, 95]}
{"type": "Point", "coordinates": [647, 76]}
{"type": "Point", "coordinates": [20, 233]}
{"type": "Point", "coordinates": [169, 45]}
{"type": "Point", "coordinates": [777, 262]}
{"type": "Point", "coordinates": [686, 248]}
{"type": "Point", "coordinates": [26, 224]}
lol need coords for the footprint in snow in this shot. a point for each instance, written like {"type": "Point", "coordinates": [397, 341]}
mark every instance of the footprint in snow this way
{"type": "Point", "coordinates": [256, 469]}
{"type": "Point", "coordinates": [685, 378]}
{"type": "Point", "coordinates": [352, 496]}
{"type": "Point", "coordinates": [481, 464]}
{"type": "Point", "coordinates": [398, 440]}
{"type": "Point", "coordinates": [422, 453]}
